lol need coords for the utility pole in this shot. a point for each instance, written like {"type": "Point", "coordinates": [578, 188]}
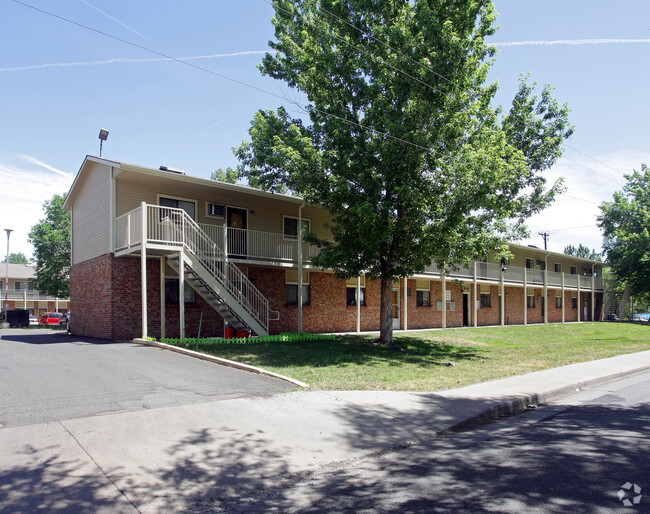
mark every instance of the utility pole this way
{"type": "Point", "coordinates": [545, 235]}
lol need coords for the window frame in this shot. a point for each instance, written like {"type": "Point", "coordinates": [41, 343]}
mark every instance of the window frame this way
{"type": "Point", "coordinates": [179, 199]}
{"type": "Point", "coordinates": [352, 291]}
{"type": "Point", "coordinates": [531, 260]}
{"type": "Point", "coordinates": [421, 300]}
{"type": "Point", "coordinates": [188, 291]}
{"type": "Point", "coordinates": [291, 237]}
{"type": "Point", "coordinates": [485, 304]}
{"type": "Point", "coordinates": [530, 304]}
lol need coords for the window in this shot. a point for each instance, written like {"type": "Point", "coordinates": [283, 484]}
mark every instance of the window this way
{"type": "Point", "coordinates": [422, 292]}
{"type": "Point", "coordinates": [530, 263]}
{"type": "Point", "coordinates": [574, 270]}
{"type": "Point", "coordinates": [486, 300]}
{"type": "Point", "coordinates": [423, 298]}
{"type": "Point", "coordinates": [290, 229]}
{"type": "Point", "coordinates": [188, 206]}
{"type": "Point", "coordinates": [574, 302]}
{"type": "Point", "coordinates": [558, 302]}
{"type": "Point", "coordinates": [292, 294]}
{"type": "Point", "coordinates": [541, 264]}
{"type": "Point", "coordinates": [23, 286]}
{"type": "Point", "coordinates": [351, 290]}
{"type": "Point", "coordinates": [530, 302]}
{"type": "Point", "coordinates": [172, 291]}
{"type": "Point", "coordinates": [291, 287]}
{"type": "Point", "coordinates": [351, 296]}
{"type": "Point", "coordinates": [216, 209]}
{"type": "Point", "coordinates": [558, 267]}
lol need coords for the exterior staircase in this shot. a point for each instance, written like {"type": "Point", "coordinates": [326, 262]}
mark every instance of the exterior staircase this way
{"type": "Point", "coordinates": [219, 282]}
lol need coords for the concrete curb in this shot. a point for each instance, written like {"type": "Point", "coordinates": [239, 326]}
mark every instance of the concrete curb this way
{"type": "Point", "coordinates": [219, 360]}
{"type": "Point", "coordinates": [522, 401]}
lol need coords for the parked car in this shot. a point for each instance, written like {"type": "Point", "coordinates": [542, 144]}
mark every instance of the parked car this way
{"type": "Point", "coordinates": [50, 318]}
{"type": "Point", "coordinates": [644, 316]}
{"type": "Point", "coordinates": [33, 320]}
{"type": "Point", "coordinates": [612, 317]}
{"type": "Point", "coordinates": [67, 320]}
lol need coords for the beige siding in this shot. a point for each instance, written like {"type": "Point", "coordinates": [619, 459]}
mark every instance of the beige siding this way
{"type": "Point", "coordinates": [91, 215]}
{"type": "Point", "coordinates": [265, 214]}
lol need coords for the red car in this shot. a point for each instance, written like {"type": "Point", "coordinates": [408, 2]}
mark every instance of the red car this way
{"type": "Point", "coordinates": [50, 318]}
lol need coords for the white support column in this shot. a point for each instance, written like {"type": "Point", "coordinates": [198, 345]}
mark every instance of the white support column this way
{"type": "Point", "coordinates": [545, 290]}
{"type": "Point", "coordinates": [475, 300]}
{"type": "Point", "coordinates": [358, 304]}
{"type": "Point", "coordinates": [444, 300]}
{"type": "Point", "coordinates": [25, 299]}
{"type": "Point", "coordinates": [143, 267]}
{"type": "Point", "coordinates": [563, 302]}
{"type": "Point", "coordinates": [525, 296]}
{"type": "Point", "coordinates": [502, 300]}
{"type": "Point", "coordinates": [593, 294]}
{"type": "Point", "coordinates": [181, 293]}
{"type": "Point", "coordinates": [56, 305]}
{"type": "Point", "coordinates": [405, 304]}
{"type": "Point", "coordinates": [162, 298]}
{"type": "Point", "coordinates": [299, 255]}
{"type": "Point", "coordinates": [578, 299]}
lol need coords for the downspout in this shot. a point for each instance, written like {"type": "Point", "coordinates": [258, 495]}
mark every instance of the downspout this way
{"type": "Point", "coordinates": [300, 266]}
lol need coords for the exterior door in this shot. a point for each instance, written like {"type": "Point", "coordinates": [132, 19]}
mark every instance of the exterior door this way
{"type": "Point", "coordinates": [395, 295]}
{"type": "Point", "coordinates": [237, 240]}
{"type": "Point", "coordinates": [465, 310]}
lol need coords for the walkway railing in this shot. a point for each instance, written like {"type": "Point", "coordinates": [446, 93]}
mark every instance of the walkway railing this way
{"type": "Point", "coordinates": [252, 244]}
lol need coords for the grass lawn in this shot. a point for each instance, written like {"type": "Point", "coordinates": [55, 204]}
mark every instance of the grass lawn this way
{"type": "Point", "coordinates": [478, 354]}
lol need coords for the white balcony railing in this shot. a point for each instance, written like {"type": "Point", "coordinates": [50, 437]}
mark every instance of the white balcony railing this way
{"type": "Point", "coordinates": [273, 247]}
{"type": "Point", "coordinates": [28, 295]}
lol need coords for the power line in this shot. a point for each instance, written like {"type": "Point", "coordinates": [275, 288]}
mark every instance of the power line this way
{"type": "Point", "coordinates": [594, 171]}
{"type": "Point", "coordinates": [200, 68]}
{"type": "Point", "coordinates": [593, 159]}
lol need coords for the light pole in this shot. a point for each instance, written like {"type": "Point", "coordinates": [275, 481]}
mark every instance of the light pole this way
{"type": "Point", "coordinates": [6, 322]}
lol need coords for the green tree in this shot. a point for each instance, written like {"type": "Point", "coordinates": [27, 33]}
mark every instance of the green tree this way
{"type": "Point", "coordinates": [16, 258]}
{"type": "Point", "coordinates": [583, 252]}
{"type": "Point", "coordinates": [625, 222]}
{"type": "Point", "coordinates": [228, 175]}
{"type": "Point", "coordinates": [401, 145]}
{"type": "Point", "coordinates": [50, 238]}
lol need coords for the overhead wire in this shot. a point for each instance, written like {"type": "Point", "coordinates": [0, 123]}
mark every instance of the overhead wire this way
{"type": "Point", "coordinates": [303, 107]}
{"type": "Point", "coordinates": [220, 75]}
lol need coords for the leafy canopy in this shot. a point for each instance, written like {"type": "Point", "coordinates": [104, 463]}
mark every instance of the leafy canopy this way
{"type": "Point", "coordinates": [50, 238]}
{"type": "Point", "coordinates": [583, 252]}
{"type": "Point", "coordinates": [16, 258]}
{"type": "Point", "coordinates": [398, 140]}
{"type": "Point", "coordinates": [625, 222]}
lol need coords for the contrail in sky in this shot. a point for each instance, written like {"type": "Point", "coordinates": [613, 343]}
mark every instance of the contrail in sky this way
{"type": "Point", "coordinates": [34, 160]}
{"type": "Point", "coordinates": [573, 42]}
{"type": "Point", "coordinates": [126, 60]}
{"type": "Point", "coordinates": [115, 20]}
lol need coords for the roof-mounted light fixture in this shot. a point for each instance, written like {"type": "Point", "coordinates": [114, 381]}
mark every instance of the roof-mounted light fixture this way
{"type": "Point", "coordinates": [103, 136]}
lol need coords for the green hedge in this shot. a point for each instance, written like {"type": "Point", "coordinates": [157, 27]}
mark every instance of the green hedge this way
{"type": "Point", "coordinates": [281, 338]}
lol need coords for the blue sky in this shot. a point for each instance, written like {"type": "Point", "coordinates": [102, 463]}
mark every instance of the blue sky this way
{"type": "Point", "coordinates": [60, 83]}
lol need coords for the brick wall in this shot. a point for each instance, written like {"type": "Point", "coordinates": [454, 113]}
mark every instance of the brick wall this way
{"type": "Point", "coordinates": [105, 300]}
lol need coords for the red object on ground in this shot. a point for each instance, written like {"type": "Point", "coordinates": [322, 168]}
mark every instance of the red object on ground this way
{"type": "Point", "coordinates": [229, 333]}
{"type": "Point", "coordinates": [243, 333]}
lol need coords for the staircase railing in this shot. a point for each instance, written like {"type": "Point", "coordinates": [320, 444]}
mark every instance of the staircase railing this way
{"type": "Point", "coordinates": [176, 226]}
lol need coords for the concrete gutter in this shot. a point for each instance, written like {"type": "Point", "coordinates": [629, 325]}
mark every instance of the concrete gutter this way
{"type": "Point", "coordinates": [219, 360]}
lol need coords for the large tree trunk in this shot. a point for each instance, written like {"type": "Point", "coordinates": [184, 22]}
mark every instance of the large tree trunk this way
{"type": "Point", "coordinates": [386, 312]}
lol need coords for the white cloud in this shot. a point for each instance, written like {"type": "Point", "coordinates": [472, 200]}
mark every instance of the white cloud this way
{"type": "Point", "coordinates": [573, 42]}
{"type": "Point", "coordinates": [572, 219]}
{"type": "Point", "coordinates": [21, 199]}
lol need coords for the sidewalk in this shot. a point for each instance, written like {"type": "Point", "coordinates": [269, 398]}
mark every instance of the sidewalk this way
{"type": "Point", "coordinates": [167, 459]}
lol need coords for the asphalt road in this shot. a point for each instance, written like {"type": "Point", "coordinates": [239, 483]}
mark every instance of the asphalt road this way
{"type": "Point", "coordinates": [47, 375]}
{"type": "Point", "coordinates": [583, 454]}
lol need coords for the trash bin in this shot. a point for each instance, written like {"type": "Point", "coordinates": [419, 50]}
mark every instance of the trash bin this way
{"type": "Point", "coordinates": [18, 318]}
{"type": "Point", "coordinates": [229, 332]}
{"type": "Point", "coordinates": [242, 333]}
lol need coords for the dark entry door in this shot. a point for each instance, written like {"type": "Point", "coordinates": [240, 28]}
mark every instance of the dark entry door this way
{"type": "Point", "coordinates": [465, 310]}
{"type": "Point", "coordinates": [237, 238]}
